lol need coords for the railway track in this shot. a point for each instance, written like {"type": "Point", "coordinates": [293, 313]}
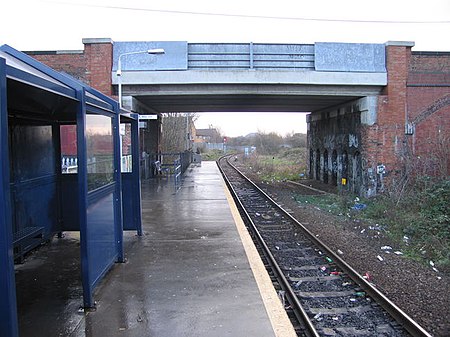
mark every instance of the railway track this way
{"type": "Point", "coordinates": [323, 295]}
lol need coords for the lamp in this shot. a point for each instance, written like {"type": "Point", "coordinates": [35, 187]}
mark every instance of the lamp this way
{"type": "Point", "coordinates": [157, 51]}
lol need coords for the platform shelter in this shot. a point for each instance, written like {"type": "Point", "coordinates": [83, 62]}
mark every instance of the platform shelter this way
{"type": "Point", "coordinates": [42, 192]}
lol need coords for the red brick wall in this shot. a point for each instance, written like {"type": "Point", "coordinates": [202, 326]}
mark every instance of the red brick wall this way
{"type": "Point", "coordinates": [92, 66]}
{"type": "Point", "coordinates": [99, 65]}
{"type": "Point", "coordinates": [429, 111]}
{"type": "Point", "coordinates": [384, 142]}
{"type": "Point", "coordinates": [72, 63]}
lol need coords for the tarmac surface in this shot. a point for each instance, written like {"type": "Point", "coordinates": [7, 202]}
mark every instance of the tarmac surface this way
{"type": "Point", "coordinates": [188, 275]}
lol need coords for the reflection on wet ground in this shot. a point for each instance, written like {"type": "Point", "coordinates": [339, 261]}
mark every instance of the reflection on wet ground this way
{"type": "Point", "coordinates": [188, 275]}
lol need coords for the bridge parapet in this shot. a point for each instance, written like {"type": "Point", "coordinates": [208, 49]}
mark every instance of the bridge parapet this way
{"type": "Point", "coordinates": [232, 56]}
{"type": "Point", "coordinates": [321, 56]}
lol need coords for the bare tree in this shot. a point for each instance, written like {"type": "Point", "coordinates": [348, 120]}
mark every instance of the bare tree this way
{"type": "Point", "coordinates": [176, 131]}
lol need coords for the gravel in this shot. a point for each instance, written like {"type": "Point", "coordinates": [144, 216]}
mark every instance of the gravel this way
{"type": "Point", "coordinates": [417, 289]}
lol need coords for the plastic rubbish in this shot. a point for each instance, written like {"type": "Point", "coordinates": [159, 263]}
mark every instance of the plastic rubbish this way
{"type": "Point", "coordinates": [367, 276]}
{"type": "Point", "coordinates": [359, 207]}
{"type": "Point", "coordinates": [282, 296]}
{"type": "Point", "coordinates": [297, 284]}
{"type": "Point", "coordinates": [318, 317]}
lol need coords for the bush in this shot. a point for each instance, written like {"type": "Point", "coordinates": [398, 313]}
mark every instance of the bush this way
{"type": "Point", "coordinates": [420, 221]}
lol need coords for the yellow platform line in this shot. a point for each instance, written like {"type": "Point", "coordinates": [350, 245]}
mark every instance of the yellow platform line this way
{"type": "Point", "coordinates": [281, 324]}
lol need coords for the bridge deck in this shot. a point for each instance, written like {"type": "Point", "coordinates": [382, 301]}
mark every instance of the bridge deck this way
{"type": "Point", "coordinates": [189, 274]}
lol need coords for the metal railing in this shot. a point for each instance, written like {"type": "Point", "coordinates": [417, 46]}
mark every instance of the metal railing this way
{"type": "Point", "coordinates": [168, 164]}
{"type": "Point", "coordinates": [227, 56]}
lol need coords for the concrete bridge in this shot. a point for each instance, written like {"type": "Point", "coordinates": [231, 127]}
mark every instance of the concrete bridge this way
{"type": "Point", "coordinates": [370, 106]}
{"type": "Point", "coordinates": [248, 77]}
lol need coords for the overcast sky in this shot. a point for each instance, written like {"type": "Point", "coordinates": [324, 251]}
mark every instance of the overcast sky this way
{"type": "Point", "coordinates": [62, 24]}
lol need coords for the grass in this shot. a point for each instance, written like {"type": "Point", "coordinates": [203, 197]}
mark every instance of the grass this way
{"type": "Point", "coordinates": [417, 221]}
{"type": "Point", "coordinates": [289, 164]}
{"type": "Point", "coordinates": [212, 155]}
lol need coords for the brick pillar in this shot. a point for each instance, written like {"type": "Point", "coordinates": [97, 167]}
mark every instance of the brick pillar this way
{"type": "Point", "coordinates": [99, 54]}
{"type": "Point", "coordinates": [384, 142]}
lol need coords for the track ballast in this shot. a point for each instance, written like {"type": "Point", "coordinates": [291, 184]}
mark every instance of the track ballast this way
{"type": "Point", "coordinates": [323, 295]}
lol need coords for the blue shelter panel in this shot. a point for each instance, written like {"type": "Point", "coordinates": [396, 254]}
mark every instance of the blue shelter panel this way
{"type": "Point", "coordinates": [8, 306]}
{"type": "Point", "coordinates": [131, 185]}
{"type": "Point", "coordinates": [101, 233]}
{"type": "Point", "coordinates": [33, 178]}
{"type": "Point", "coordinates": [70, 219]}
{"type": "Point", "coordinates": [127, 201]}
{"type": "Point", "coordinates": [99, 249]}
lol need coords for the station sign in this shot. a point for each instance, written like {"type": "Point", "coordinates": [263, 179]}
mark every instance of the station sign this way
{"type": "Point", "coordinates": [147, 117]}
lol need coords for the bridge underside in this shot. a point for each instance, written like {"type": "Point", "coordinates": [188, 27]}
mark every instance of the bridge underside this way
{"type": "Point", "coordinates": [263, 98]}
{"type": "Point", "coordinates": [242, 103]}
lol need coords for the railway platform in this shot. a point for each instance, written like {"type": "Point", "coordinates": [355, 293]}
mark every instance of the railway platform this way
{"type": "Point", "coordinates": [194, 272]}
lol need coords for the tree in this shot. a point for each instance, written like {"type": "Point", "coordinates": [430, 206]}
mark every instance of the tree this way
{"type": "Point", "coordinates": [296, 139]}
{"type": "Point", "coordinates": [268, 143]}
{"type": "Point", "coordinates": [176, 132]}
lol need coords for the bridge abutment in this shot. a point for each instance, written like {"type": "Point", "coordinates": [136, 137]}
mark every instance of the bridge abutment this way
{"type": "Point", "coordinates": [361, 146]}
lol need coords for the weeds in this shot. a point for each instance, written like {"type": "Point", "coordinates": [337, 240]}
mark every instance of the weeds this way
{"type": "Point", "coordinates": [286, 165]}
{"type": "Point", "coordinates": [419, 222]}
{"type": "Point", "coordinates": [416, 218]}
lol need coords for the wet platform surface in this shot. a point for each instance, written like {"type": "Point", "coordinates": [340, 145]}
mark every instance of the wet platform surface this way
{"type": "Point", "coordinates": [188, 275]}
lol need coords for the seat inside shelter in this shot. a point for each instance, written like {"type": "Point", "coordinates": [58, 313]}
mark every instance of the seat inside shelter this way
{"type": "Point", "coordinates": [61, 158]}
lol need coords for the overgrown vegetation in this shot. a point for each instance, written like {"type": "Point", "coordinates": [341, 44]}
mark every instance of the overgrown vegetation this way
{"type": "Point", "coordinates": [212, 155]}
{"type": "Point", "coordinates": [415, 216]}
{"type": "Point", "coordinates": [418, 223]}
{"type": "Point", "coordinates": [287, 164]}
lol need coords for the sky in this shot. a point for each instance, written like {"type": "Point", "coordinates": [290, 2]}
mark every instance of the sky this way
{"type": "Point", "coordinates": [62, 24]}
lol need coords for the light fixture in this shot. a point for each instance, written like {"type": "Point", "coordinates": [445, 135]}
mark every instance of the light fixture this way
{"type": "Point", "coordinates": [157, 51]}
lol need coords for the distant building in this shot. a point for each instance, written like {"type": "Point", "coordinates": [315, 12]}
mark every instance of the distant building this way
{"type": "Point", "coordinates": [208, 139]}
{"type": "Point", "coordinates": [210, 135]}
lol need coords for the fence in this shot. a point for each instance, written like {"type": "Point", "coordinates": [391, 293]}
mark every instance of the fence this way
{"type": "Point", "coordinates": [168, 164]}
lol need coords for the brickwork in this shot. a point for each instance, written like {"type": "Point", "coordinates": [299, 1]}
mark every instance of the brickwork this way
{"type": "Point", "coordinates": [98, 66]}
{"type": "Point", "coordinates": [429, 111]}
{"type": "Point", "coordinates": [72, 63]}
{"type": "Point", "coordinates": [92, 65]}
{"type": "Point", "coordinates": [384, 143]}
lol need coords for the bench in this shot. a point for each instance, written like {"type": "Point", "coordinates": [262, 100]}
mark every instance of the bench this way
{"type": "Point", "coordinates": [25, 240]}
{"type": "Point", "coordinates": [157, 166]}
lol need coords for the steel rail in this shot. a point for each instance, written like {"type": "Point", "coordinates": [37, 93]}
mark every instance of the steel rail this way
{"type": "Point", "coordinates": [399, 315]}
{"type": "Point", "coordinates": [298, 309]}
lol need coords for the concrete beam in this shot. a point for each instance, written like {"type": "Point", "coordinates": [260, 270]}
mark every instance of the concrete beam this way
{"type": "Point", "coordinates": [252, 77]}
